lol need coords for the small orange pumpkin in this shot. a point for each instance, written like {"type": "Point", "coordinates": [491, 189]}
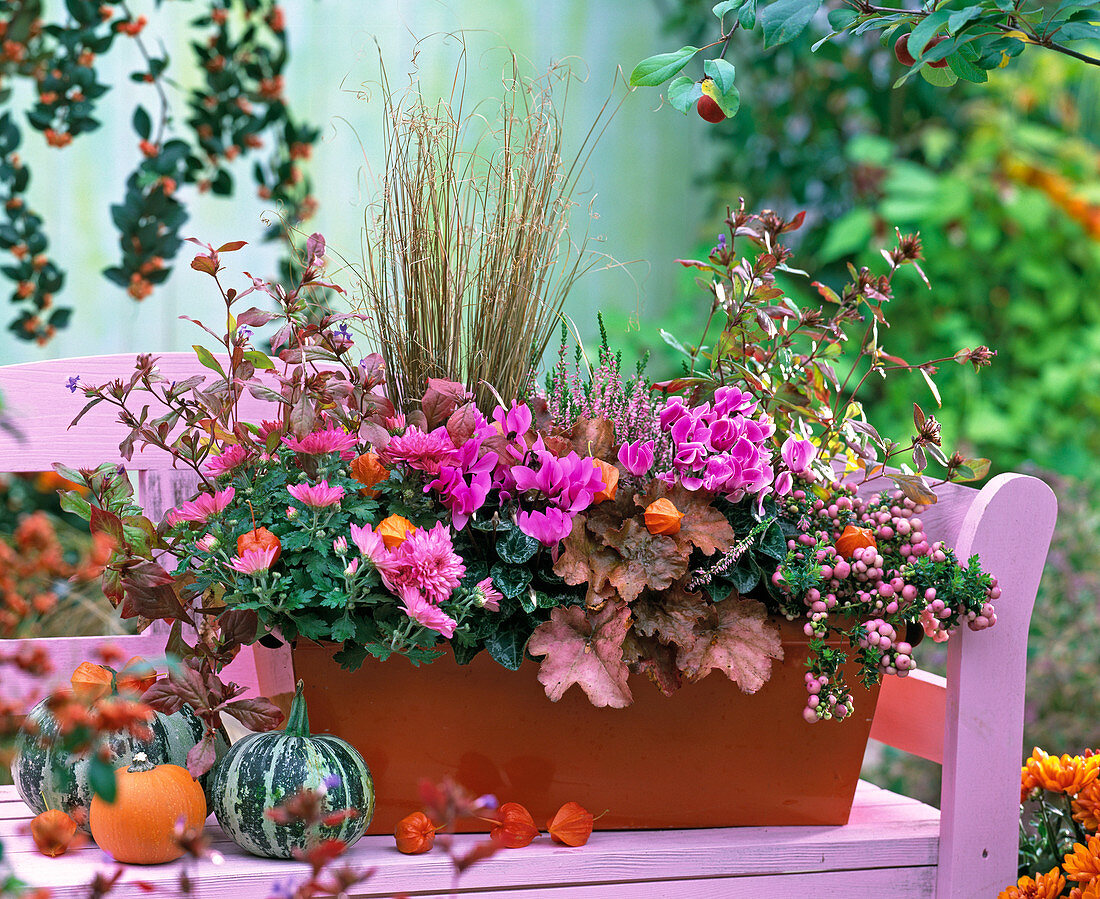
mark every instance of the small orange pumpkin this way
{"type": "Point", "coordinates": [366, 469]}
{"type": "Point", "coordinates": [852, 539]}
{"type": "Point", "coordinates": [53, 832]}
{"type": "Point", "coordinates": [662, 517]}
{"type": "Point", "coordinates": [393, 530]}
{"type": "Point", "coordinates": [139, 827]}
{"type": "Point", "coordinates": [610, 475]}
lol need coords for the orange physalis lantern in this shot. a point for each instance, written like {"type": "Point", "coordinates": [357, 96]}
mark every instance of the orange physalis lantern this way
{"type": "Point", "coordinates": [610, 475]}
{"type": "Point", "coordinates": [366, 469]}
{"type": "Point", "coordinates": [514, 827]}
{"type": "Point", "coordinates": [53, 832]}
{"type": "Point", "coordinates": [414, 834]}
{"type": "Point", "coordinates": [662, 517]}
{"type": "Point", "coordinates": [852, 539]}
{"type": "Point", "coordinates": [259, 538]}
{"type": "Point", "coordinates": [91, 682]}
{"type": "Point", "coordinates": [393, 530]}
{"type": "Point", "coordinates": [572, 825]}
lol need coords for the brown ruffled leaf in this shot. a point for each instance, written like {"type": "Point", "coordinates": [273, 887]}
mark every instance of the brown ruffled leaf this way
{"type": "Point", "coordinates": [593, 437]}
{"type": "Point", "coordinates": [702, 526]}
{"type": "Point", "coordinates": [587, 650]}
{"type": "Point", "coordinates": [737, 639]}
{"type": "Point", "coordinates": [585, 560]}
{"type": "Point", "coordinates": [645, 560]}
{"type": "Point", "coordinates": [441, 399]}
{"type": "Point", "coordinates": [670, 616]}
{"type": "Point", "coordinates": [648, 656]}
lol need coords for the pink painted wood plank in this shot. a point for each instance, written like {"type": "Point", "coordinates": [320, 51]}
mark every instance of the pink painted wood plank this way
{"type": "Point", "coordinates": [66, 653]}
{"type": "Point", "coordinates": [910, 714]}
{"type": "Point", "coordinates": [1009, 526]}
{"type": "Point", "coordinates": [894, 857]}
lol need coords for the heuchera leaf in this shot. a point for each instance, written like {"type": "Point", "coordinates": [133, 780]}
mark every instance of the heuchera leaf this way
{"type": "Point", "coordinates": [593, 437]}
{"type": "Point", "coordinates": [587, 650]}
{"type": "Point", "coordinates": [648, 656]}
{"type": "Point", "coordinates": [585, 560]}
{"type": "Point", "coordinates": [646, 560]}
{"type": "Point", "coordinates": [737, 639]}
{"type": "Point", "coordinates": [670, 616]}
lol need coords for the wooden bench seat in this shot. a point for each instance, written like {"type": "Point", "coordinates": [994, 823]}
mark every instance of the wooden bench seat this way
{"type": "Point", "coordinates": [889, 848]}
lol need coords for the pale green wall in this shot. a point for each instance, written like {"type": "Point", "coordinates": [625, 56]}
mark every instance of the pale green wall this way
{"type": "Point", "coordinates": [642, 171]}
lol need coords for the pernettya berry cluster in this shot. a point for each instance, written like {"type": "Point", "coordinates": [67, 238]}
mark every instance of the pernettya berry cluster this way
{"type": "Point", "coordinates": [863, 569]}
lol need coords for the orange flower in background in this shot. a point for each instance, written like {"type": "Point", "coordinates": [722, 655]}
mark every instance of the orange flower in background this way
{"type": "Point", "coordinates": [854, 538]}
{"type": "Point", "coordinates": [1045, 886]}
{"type": "Point", "coordinates": [610, 475]}
{"type": "Point", "coordinates": [1091, 891]}
{"type": "Point", "coordinates": [1028, 784]}
{"type": "Point", "coordinates": [366, 469]}
{"type": "Point", "coordinates": [1086, 807]}
{"type": "Point", "coordinates": [1065, 774]}
{"type": "Point", "coordinates": [1083, 864]}
{"type": "Point", "coordinates": [393, 529]}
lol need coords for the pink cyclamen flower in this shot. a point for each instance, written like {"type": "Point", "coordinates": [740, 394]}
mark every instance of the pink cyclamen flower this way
{"type": "Point", "coordinates": [425, 613]}
{"type": "Point", "coordinates": [254, 561]}
{"type": "Point", "coordinates": [316, 496]}
{"type": "Point", "coordinates": [428, 563]}
{"type": "Point", "coordinates": [227, 460]}
{"type": "Point", "coordinates": [330, 440]}
{"type": "Point", "coordinates": [570, 482]}
{"type": "Point", "coordinates": [549, 527]}
{"type": "Point", "coordinates": [798, 453]}
{"type": "Point", "coordinates": [490, 597]}
{"type": "Point", "coordinates": [783, 483]}
{"type": "Point", "coordinates": [202, 508]}
{"type": "Point", "coordinates": [637, 457]}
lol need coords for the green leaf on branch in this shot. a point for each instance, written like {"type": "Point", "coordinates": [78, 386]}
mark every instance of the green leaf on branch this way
{"type": "Point", "coordinates": [658, 69]}
{"type": "Point", "coordinates": [721, 73]}
{"type": "Point", "coordinates": [143, 125]}
{"type": "Point", "coordinates": [207, 359]}
{"type": "Point", "coordinates": [727, 6]}
{"type": "Point", "coordinates": [683, 93]}
{"type": "Point", "coordinates": [101, 778]}
{"type": "Point", "coordinates": [966, 69]}
{"type": "Point", "coordinates": [784, 20]}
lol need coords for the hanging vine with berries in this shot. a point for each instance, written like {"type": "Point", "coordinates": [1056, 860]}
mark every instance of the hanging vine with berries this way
{"type": "Point", "coordinates": [238, 111]}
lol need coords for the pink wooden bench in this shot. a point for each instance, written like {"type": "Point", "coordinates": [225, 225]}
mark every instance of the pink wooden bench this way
{"type": "Point", "coordinates": [893, 846]}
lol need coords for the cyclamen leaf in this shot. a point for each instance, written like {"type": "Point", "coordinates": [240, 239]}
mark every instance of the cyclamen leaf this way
{"type": "Point", "coordinates": [737, 639]}
{"type": "Point", "coordinates": [586, 650]}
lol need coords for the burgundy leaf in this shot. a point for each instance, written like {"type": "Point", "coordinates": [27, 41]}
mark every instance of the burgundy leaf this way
{"type": "Point", "coordinates": [200, 758]}
{"type": "Point", "coordinates": [255, 714]}
{"type": "Point", "coordinates": [164, 697]}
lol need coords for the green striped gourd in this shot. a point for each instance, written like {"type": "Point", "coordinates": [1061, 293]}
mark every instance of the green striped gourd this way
{"type": "Point", "coordinates": [48, 777]}
{"type": "Point", "coordinates": [263, 770]}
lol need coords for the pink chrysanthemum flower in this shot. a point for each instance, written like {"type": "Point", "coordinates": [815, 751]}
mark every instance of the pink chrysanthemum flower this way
{"type": "Point", "coordinates": [226, 461]}
{"type": "Point", "coordinates": [429, 563]}
{"type": "Point", "coordinates": [419, 450]}
{"type": "Point", "coordinates": [330, 440]}
{"type": "Point", "coordinates": [316, 496]}
{"type": "Point", "coordinates": [207, 543]}
{"type": "Point", "coordinates": [490, 596]}
{"type": "Point", "coordinates": [425, 613]}
{"type": "Point", "coordinates": [254, 561]}
{"type": "Point", "coordinates": [202, 508]}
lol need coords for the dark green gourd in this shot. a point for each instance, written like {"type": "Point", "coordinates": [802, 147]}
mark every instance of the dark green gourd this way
{"type": "Point", "coordinates": [263, 770]}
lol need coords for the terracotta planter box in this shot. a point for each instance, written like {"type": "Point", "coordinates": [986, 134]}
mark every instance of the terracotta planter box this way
{"type": "Point", "coordinates": [710, 756]}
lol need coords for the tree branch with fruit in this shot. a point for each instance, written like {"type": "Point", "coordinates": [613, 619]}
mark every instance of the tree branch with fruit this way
{"type": "Point", "coordinates": [942, 40]}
